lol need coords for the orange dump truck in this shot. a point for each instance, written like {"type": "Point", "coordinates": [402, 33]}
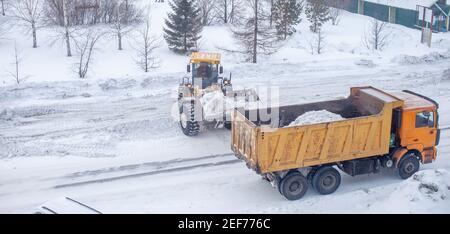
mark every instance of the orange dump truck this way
{"type": "Point", "coordinates": [393, 130]}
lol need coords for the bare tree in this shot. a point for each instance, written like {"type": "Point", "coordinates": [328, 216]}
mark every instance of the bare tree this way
{"type": "Point", "coordinates": [85, 44]}
{"type": "Point", "coordinates": [3, 27]}
{"type": "Point", "coordinates": [145, 44]}
{"type": "Point", "coordinates": [254, 33]}
{"type": "Point", "coordinates": [126, 19]}
{"type": "Point", "coordinates": [317, 43]}
{"type": "Point", "coordinates": [229, 11]}
{"type": "Point", "coordinates": [15, 74]}
{"type": "Point", "coordinates": [3, 3]}
{"type": "Point", "coordinates": [376, 37]}
{"type": "Point", "coordinates": [67, 29]}
{"type": "Point", "coordinates": [335, 12]}
{"type": "Point", "coordinates": [29, 12]}
{"type": "Point", "coordinates": [207, 10]}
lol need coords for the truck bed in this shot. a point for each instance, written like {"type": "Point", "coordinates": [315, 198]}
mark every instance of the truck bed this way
{"type": "Point", "coordinates": [267, 145]}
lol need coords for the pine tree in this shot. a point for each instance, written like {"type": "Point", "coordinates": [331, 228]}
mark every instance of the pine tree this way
{"type": "Point", "coordinates": [286, 14]}
{"type": "Point", "coordinates": [183, 26]}
{"type": "Point", "coordinates": [254, 33]}
{"type": "Point", "coordinates": [317, 13]}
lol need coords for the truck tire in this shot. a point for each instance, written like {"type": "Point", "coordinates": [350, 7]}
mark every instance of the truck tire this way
{"type": "Point", "coordinates": [408, 165]}
{"type": "Point", "coordinates": [293, 186]}
{"type": "Point", "coordinates": [227, 125]}
{"type": "Point", "coordinates": [326, 180]}
{"type": "Point", "coordinates": [188, 125]}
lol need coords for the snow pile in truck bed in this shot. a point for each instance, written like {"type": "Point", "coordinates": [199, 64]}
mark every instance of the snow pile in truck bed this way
{"type": "Point", "coordinates": [314, 117]}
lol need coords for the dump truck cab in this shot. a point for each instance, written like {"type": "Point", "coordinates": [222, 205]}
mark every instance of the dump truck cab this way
{"type": "Point", "coordinates": [418, 129]}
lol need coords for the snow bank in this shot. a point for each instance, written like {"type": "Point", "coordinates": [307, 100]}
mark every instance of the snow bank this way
{"type": "Point", "coordinates": [314, 117]}
{"type": "Point", "coordinates": [446, 75]}
{"type": "Point", "coordinates": [428, 58]}
{"type": "Point", "coordinates": [7, 114]}
{"type": "Point", "coordinates": [426, 191]}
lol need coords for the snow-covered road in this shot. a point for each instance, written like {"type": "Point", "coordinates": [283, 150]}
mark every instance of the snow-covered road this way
{"type": "Point", "coordinates": [114, 144]}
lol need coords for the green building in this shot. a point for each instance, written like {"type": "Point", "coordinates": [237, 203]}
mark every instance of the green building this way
{"type": "Point", "coordinates": [404, 12]}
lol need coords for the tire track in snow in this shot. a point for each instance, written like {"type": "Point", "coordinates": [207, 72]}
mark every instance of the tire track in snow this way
{"type": "Point", "coordinates": [164, 164]}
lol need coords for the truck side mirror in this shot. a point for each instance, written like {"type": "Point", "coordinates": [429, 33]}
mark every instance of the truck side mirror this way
{"type": "Point", "coordinates": [221, 70]}
{"type": "Point", "coordinates": [188, 68]}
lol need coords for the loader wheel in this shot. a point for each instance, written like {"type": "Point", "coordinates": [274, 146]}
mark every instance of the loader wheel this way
{"type": "Point", "coordinates": [189, 126]}
{"type": "Point", "coordinates": [293, 186]}
{"type": "Point", "coordinates": [408, 166]}
{"type": "Point", "coordinates": [326, 180]}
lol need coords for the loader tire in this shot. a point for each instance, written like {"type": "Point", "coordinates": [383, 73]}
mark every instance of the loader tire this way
{"type": "Point", "coordinates": [293, 186]}
{"type": "Point", "coordinates": [188, 125]}
{"type": "Point", "coordinates": [408, 166]}
{"type": "Point", "coordinates": [326, 180]}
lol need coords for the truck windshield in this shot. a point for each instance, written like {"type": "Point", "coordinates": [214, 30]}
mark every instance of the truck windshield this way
{"type": "Point", "coordinates": [424, 119]}
{"type": "Point", "coordinates": [207, 72]}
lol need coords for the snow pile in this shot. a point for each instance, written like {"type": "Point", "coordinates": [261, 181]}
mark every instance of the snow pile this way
{"type": "Point", "coordinates": [365, 63]}
{"type": "Point", "coordinates": [428, 58]}
{"type": "Point", "coordinates": [426, 191]}
{"type": "Point", "coordinates": [117, 84]}
{"type": "Point", "coordinates": [7, 114]}
{"type": "Point", "coordinates": [314, 117]}
{"type": "Point", "coordinates": [213, 104]}
{"type": "Point", "coordinates": [446, 75]}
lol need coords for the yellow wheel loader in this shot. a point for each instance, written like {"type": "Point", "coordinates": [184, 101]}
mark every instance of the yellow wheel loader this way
{"type": "Point", "coordinates": [205, 97]}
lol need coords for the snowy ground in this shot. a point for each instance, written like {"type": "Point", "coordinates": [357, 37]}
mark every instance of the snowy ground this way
{"type": "Point", "coordinates": [110, 141]}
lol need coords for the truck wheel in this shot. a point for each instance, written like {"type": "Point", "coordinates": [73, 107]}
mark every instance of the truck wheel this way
{"type": "Point", "coordinates": [187, 123]}
{"type": "Point", "coordinates": [293, 186]}
{"type": "Point", "coordinates": [408, 166]}
{"type": "Point", "coordinates": [326, 180]}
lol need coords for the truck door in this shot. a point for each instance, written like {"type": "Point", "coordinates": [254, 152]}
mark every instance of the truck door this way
{"type": "Point", "coordinates": [425, 129]}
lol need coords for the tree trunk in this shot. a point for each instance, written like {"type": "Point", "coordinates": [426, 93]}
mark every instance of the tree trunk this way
{"type": "Point", "coordinates": [66, 26]}
{"type": "Point", "coordinates": [3, 7]}
{"type": "Point", "coordinates": [225, 10]}
{"type": "Point", "coordinates": [119, 36]}
{"type": "Point", "coordinates": [271, 13]}
{"type": "Point", "coordinates": [255, 34]}
{"type": "Point", "coordinates": [33, 28]}
{"type": "Point", "coordinates": [185, 43]}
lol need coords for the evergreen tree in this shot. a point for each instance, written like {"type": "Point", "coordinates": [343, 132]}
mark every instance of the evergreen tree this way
{"type": "Point", "coordinates": [183, 26]}
{"type": "Point", "coordinates": [317, 13]}
{"type": "Point", "coordinates": [286, 14]}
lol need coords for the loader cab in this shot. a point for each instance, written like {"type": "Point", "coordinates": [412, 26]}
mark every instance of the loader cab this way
{"type": "Point", "coordinates": [204, 69]}
{"type": "Point", "coordinates": [419, 129]}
